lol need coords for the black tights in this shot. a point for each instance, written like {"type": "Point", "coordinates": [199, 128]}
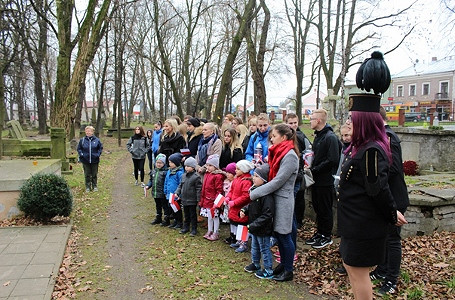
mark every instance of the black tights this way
{"type": "Point", "coordinates": [139, 166]}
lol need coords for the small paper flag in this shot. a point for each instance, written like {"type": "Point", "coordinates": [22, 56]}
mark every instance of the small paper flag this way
{"type": "Point", "coordinates": [173, 203]}
{"type": "Point", "coordinates": [219, 201]}
{"type": "Point", "coordinates": [242, 233]}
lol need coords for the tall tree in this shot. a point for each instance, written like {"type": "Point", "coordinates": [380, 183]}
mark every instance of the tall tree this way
{"type": "Point", "coordinates": [89, 36]}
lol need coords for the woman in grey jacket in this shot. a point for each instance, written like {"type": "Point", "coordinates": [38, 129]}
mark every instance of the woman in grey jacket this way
{"type": "Point", "coordinates": [284, 163]}
{"type": "Point", "coordinates": [138, 146]}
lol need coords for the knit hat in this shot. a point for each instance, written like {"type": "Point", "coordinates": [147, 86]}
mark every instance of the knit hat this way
{"type": "Point", "coordinates": [176, 158]}
{"type": "Point", "coordinates": [262, 172]}
{"type": "Point", "coordinates": [244, 165]}
{"type": "Point", "coordinates": [230, 168]}
{"type": "Point", "coordinates": [190, 162]}
{"type": "Point", "coordinates": [194, 121]}
{"type": "Point", "coordinates": [161, 157]}
{"type": "Point", "coordinates": [214, 160]}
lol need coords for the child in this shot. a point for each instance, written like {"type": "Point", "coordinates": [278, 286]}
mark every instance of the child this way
{"type": "Point", "coordinates": [156, 183]}
{"type": "Point", "coordinates": [260, 226]}
{"type": "Point", "coordinates": [229, 172]}
{"type": "Point", "coordinates": [212, 186]}
{"type": "Point", "coordinates": [237, 198]}
{"type": "Point", "coordinates": [189, 191]}
{"type": "Point", "coordinates": [173, 177]}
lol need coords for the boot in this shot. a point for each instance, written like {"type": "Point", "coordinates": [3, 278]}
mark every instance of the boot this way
{"type": "Point", "coordinates": [284, 276]}
{"type": "Point", "coordinates": [173, 224]}
{"type": "Point", "coordinates": [184, 230]}
{"type": "Point", "coordinates": [157, 220]}
{"type": "Point", "coordinates": [178, 225]}
{"type": "Point", "coordinates": [230, 239]}
{"type": "Point", "coordinates": [166, 221]}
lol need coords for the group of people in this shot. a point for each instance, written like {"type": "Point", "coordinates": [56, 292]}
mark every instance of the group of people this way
{"type": "Point", "coordinates": [254, 176]}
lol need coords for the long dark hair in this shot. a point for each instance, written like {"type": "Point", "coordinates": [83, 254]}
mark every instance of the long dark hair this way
{"type": "Point", "coordinates": [285, 130]}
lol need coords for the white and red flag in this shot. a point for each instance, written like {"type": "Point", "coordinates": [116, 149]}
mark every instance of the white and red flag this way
{"type": "Point", "coordinates": [173, 202]}
{"type": "Point", "coordinates": [242, 233]}
{"type": "Point", "coordinates": [219, 201]}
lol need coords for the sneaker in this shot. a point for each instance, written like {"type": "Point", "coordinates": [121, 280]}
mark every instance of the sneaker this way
{"type": "Point", "coordinates": [136, 183]}
{"type": "Point", "coordinates": [184, 230]}
{"type": "Point", "coordinates": [252, 268]}
{"type": "Point", "coordinates": [193, 233]}
{"type": "Point", "coordinates": [235, 245]}
{"type": "Point", "coordinates": [322, 242]}
{"type": "Point", "coordinates": [213, 237]}
{"type": "Point", "coordinates": [242, 248]}
{"type": "Point", "coordinates": [95, 189]}
{"type": "Point", "coordinates": [142, 185]}
{"type": "Point", "coordinates": [376, 276]}
{"type": "Point", "coordinates": [387, 288]}
{"type": "Point", "coordinates": [206, 236]}
{"type": "Point", "coordinates": [87, 190]}
{"type": "Point", "coordinates": [313, 239]}
{"type": "Point", "coordinates": [263, 274]}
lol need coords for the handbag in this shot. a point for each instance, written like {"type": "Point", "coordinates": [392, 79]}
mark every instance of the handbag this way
{"type": "Point", "coordinates": [307, 180]}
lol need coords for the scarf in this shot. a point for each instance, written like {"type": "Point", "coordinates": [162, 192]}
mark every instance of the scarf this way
{"type": "Point", "coordinates": [203, 147]}
{"type": "Point", "coordinates": [276, 154]}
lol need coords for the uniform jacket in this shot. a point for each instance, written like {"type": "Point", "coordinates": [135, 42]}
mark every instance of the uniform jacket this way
{"type": "Point", "coordinates": [173, 177]}
{"type": "Point", "coordinates": [258, 137]}
{"type": "Point", "coordinates": [156, 182]}
{"type": "Point", "coordinates": [327, 148]}
{"type": "Point", "coordinates": [211, 187]}
{"type": "Point", "coordinates": [189, 190]}
{"type": "Point", "coordinates": [171, 144]}
{"type": "Point", "coordinates": [89, 150]}
{"type": "Point", "coordinates": [260, 215]}
{"type": "Point", "coordinates": [397, 184]}
{"type": "Point", "coordinates": [239, 194]}
{"type": "Point", "coordinates": [138, 146]}
{"type": "Point", "coordinates": [365, 204]}
{"type": "Point", "coordinates": [282, 189]}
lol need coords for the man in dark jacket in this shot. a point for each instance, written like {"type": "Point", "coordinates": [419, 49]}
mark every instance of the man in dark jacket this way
{"type": "Point", "coordinates": [389, 271]}
{"type": "Point", "coordinates": [326, 149]}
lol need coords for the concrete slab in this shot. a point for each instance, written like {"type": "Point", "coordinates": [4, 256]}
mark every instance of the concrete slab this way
{"type": "Point", "coordinates": [7, 287]}
{"type": "Point", "coordinates": [38, 271]}
{"type": "Point", "coordinates": [31, 286]}
{"type": "Point", "coordinates": [11, 272]}
{"type": "Point", "coordinates": [15, 259]}
{"type": "Point", "coordinates": [22, 248]}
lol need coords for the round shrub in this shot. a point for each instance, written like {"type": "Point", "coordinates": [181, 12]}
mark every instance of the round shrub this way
{"type": "Point", "coordinates": [44, 196]}
{"type": "Point", "coordinates": [410, 168]}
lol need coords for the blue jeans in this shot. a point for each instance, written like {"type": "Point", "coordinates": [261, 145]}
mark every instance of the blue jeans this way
{"type": "Point", "coordinates": [287, 250]}
{"type": "Point", "coordinates": [260, 245]}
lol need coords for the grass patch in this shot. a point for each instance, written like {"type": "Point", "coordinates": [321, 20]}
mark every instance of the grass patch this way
{"type": "Point", "coordinates": [415, 293]}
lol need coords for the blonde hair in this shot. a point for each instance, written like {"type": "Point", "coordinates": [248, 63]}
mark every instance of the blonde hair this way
{"type": "Point", "coordinates": [173, 123]}
{"type": "Point", "coordinates": [183, 130]}
{"type": "Point", "coordinates": [243, 131]}
{"type": "Point", "coordinates": [234, 139]}
{"type": "Point", "coordinates": [263, 117]}
{"type": "Point", "coordinates": [90, 127]}
{"type": "Point", "coordinates": [323, 114]}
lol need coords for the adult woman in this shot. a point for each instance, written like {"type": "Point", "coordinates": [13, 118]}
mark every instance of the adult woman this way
{"type": "Point", "coordinates": [89, 149]}
{"type": "Point", "coordinates": [149, 136]}
{"type": "Point", "coordinates": [209, 144]}
{"type": "Point", "coordinates": [171, 140]}
{"type": "Point", "coordinates": [138, 146]}
{"type": "Point", "coordinates": [231, 151]}
{"type": "Point", "coordinates": [252, 128]}
{"type": "Point", "coordinates": [283, 159]}
{"type": "Point", "coordinates": [365, 203]}
{"type": "Point", "coordinates": [194, 135]}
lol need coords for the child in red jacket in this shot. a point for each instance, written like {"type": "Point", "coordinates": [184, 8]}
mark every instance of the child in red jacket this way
{"type": "Point", "coordinates": [211, 188]}
{"type": "Point", "coordinates": [237, 198]}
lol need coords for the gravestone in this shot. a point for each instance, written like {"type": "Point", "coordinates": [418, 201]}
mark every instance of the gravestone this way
{"type": "Point", "coordinates": [15, 130]}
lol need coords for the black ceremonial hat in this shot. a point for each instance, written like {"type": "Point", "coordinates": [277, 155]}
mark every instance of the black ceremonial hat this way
{"type": "Point", "coordinates": [364, 102]}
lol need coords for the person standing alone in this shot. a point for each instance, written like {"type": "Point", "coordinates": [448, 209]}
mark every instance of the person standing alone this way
{"type": "Point", "coordinates": [89, 149]}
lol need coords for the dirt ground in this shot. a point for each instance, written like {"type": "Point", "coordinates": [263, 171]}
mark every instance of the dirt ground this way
{"type": "Point", "coordinates": [125, 231]}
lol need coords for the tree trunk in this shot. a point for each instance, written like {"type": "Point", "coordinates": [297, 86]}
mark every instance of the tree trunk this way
{"type": "Point", "coordinates": [233, 51]}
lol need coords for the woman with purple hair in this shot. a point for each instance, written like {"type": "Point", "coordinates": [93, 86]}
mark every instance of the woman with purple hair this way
{"type": "Point", "coordinates": [365, 203]}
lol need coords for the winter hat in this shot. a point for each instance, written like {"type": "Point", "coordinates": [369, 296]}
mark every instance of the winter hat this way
{"type": "Point", "coordinates": [214, 160]}
{"type": "Point", "coordinates": [176, 158]}
{"type": "Point", "coordinates": [190, 162]}
{"type": "Point", "coordinates": [263, 172]}
{"type": "Point", "coordinates": [194, 121]}
{"type": "Point", "coordinates": [161, 157]}
{"type": "Point", "coordinates": [244, 165]}
{"type": "Point", "coordinates": [230, 168]}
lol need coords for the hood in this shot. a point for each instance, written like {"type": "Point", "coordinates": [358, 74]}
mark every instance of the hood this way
{"type": "Point", "coordinates": [326, 128]}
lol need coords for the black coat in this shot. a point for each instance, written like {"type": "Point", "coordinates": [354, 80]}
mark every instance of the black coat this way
{"type": "Point", "coordinates": [396, 175]}
{"type": "Point", "coordinates": [260, 215]}
{"type": "Point", "coordinates": [193, 140]}
{"type": "Point", "coordinates": [171, 144]}
{"type": "Point", "coordinates": [365, 203]}
{"type": "Point", "coordinates": [226, 157]}
{"type": "Point", "coordinates": [327, 148]}
{"type": "Point", "coordinates": [156, 182]}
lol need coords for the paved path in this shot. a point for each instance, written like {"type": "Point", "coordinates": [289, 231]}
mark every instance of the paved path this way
{"type": "Point", "coordinates": [30, 258]}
